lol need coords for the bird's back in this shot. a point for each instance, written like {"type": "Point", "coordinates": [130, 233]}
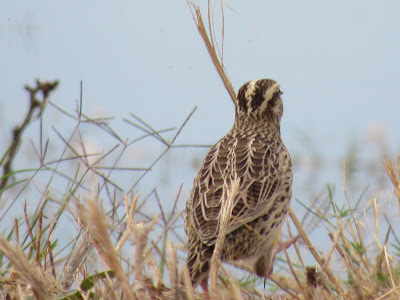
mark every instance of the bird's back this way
{"type": "Point", "coordinates": [259, 163]}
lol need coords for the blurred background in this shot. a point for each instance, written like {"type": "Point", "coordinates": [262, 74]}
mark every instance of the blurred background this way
{"type": "Point", "coordinates": [337, 62]}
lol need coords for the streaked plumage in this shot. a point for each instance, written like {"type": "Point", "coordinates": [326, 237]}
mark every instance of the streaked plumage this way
{"type": "Point", "coordinates": [253, 152]}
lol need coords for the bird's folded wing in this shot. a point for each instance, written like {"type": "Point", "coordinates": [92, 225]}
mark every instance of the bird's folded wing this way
{"type": "Point", "coordinates": [254, 164]}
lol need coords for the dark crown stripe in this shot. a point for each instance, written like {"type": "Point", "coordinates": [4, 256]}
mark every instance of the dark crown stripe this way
{"type": "Point", "coordinates": [241, 98]}
{"type": "Point", "coordinates": [252, 94]}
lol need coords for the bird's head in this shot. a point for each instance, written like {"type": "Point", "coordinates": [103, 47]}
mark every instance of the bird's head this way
{"type": "Point", "coordinates": [259, 100]}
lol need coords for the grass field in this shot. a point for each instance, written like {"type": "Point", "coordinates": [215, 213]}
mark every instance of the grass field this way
{"type": "Point", "coordinates": [69, 230]}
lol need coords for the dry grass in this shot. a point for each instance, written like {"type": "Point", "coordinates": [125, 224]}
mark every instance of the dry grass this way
{"type": "Point", "coordinates": [121, 251]}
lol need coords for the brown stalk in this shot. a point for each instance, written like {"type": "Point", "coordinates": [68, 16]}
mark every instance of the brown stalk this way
{"type": "Point", "coordinates": [369, 230]}
{"type": "Point", "coordinates": [389, 269]}
{"type": "Point", "coordinates": [352, 271]}
{"type": "Point", "coordinates": [234, 286]}
{"type": "Point", "coordinates": [354, 223]}
{"type": "Point", "coordinates": [94, 221]}
{"type": "Point", "coordinates": [225, 216]}
{"type": "Point", "coordinates": [172, 264]}
{"type": "Point", "coordinates": [364, 249]}
{"type": "Point", "coordinates": [296, 247]}
{"type": "Point", "coordinates": [285, 283]}
{"type": "Point", "coordinates": [51, 258]}
{"type": "Point", "coordinates": [36, 104]}
{"type": "Point", "coordinates": [49, 249]}
{"type": "Point", "coordinates": [393, 175]}
{"type": "Point", "coordinates": [155, 270]}
{"type": "Point", "coordinates": [35, 276]}
{"type": "Point", "coordinates": [130, 214]}
{"type": "Point", "coordinates": [29, 228]}
{"type": "Point", "coordinates": [338, 248]}
{"type": "Point", "coordinates": [187, 282]}
{"type": "Point", "coordinates": [382, 252]}
{"type": "Point", "coordinates": [16, 228]}
{"type": "Point", "coordinates": [301, 287]}
{"type": "Point", "coordinates": [75, 260]}
{"type": "Point", "coordinates": [39, 236]}
{"type": "Point", "coordinates": [391, 291]}
{"type": "Point", "coordinates": [141, 237]}
{"type": "Point", "coordinates": [353, 255]}
{"type": "Point", "coordinates": [209, 42]}
{"type": "Point", "coordinates": [306, 240]}
{"type": "Point", "coordinates": [376, 218]}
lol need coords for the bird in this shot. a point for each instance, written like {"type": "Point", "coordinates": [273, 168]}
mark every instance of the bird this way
{"type": "Point", "coordinates": [253, 156]}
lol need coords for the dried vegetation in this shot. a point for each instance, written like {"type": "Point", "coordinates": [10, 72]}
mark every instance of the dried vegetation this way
{"type": "Point", "coordinates": [120, 251]}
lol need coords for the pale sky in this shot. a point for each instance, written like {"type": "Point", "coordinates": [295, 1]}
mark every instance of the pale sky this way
{"type": "Point", "coordinates": [337, 62]}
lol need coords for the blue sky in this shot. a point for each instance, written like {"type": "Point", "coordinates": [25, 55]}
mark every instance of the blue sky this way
{"type": "Point", "coordinates": [338, 64]}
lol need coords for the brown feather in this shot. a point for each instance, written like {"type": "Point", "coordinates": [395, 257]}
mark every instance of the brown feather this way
{"type": "Point", "coordinates": [254, 153]}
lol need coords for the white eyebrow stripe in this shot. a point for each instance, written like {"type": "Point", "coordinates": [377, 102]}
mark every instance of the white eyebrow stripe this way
{"type": "Point", "coordinates": [269, 93]}
{"type": "Point", "coordinates": [251, 88]}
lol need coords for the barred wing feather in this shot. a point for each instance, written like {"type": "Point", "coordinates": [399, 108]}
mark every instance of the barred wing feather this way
{"type": "Point", "coordinates": [257, 165]}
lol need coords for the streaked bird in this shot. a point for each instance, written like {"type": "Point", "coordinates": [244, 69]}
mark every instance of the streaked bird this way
{"type": "Point", "coordinates": [253, 158]}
